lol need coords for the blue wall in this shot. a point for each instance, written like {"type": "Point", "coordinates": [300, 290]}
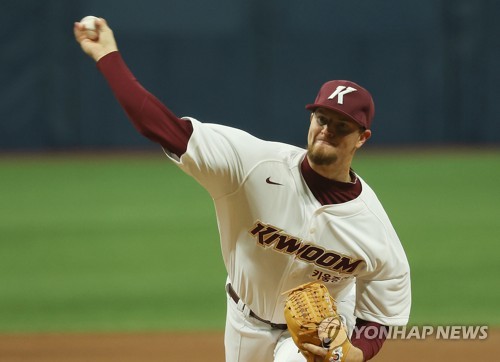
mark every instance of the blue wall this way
{"type": "Point", "coordinates": [431, 65]}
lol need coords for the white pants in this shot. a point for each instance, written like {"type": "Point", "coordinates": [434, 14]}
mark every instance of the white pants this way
{"type": "Point", "coordinates": [250, 340]}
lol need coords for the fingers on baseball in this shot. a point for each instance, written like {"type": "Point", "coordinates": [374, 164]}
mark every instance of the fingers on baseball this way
{"type": "Point", "coordinates": [82, 34]}
{"type": "Point", "coordinates": [92, 35]}
{"type": "Point", "coordinates": [100, 26]}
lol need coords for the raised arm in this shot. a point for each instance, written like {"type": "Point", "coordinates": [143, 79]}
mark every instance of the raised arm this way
{"type": "Point", "coordinates": [148, 115]}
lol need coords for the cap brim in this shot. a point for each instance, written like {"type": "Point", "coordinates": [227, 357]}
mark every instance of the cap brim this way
{"type": "Point", "coordinates": [313, 106]}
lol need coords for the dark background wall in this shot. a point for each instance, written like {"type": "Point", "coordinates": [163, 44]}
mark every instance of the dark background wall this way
{"type": "Point", "coordinates": [431, 65]}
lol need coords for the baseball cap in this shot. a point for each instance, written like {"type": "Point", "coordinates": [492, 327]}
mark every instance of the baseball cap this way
{"type": "Point", "coordinates": [348, 98]}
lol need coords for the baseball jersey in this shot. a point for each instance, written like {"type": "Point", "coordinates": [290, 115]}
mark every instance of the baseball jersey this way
{"type": "Point", "coordinates": [275, 234]}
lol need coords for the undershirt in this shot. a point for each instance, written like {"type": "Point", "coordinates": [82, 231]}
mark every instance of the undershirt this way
{"type": "Point", "coordinates": [155, 121]}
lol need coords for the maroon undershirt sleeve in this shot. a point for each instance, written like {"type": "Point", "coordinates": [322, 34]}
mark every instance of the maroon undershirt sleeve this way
{"type": "Point", "coordinates": [369, 342]}
{"type": "Point", "coordinates": [148, 115]}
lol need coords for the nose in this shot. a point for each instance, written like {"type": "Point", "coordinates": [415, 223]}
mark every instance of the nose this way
{"type": "Point", "coordinates": [327, 131]}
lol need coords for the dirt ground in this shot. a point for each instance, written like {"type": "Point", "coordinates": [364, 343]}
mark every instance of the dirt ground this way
{"type": "Point", "coordinates": [208, 347]}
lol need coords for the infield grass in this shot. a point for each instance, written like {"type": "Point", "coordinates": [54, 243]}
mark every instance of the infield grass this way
{"type": "Point", "coordinates": [130, 243]}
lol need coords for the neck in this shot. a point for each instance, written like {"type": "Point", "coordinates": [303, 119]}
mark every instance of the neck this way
{"type": "Point", "coordinates": [334, 171]}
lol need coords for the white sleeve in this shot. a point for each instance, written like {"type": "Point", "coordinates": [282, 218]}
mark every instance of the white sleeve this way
{"type": "Point", "coordinates": [383, 290]}
{"type": "Point", "coordinates": [387, 302]}
{"type": "Point", "coordinates": [219, 157]}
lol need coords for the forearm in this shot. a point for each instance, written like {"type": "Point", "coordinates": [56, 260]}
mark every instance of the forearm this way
{"type": "Point", "coordinates": [148, 115]}
{"type": "Point", "coordinates": [367, 345]}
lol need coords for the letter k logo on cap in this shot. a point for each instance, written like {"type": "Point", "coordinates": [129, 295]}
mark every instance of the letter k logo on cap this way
{"type": "Point", "coordinates": [339, 93]}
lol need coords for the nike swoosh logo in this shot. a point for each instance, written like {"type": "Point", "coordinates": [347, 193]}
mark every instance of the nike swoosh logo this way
{"type": "Point", "coordinates": [268, 180]}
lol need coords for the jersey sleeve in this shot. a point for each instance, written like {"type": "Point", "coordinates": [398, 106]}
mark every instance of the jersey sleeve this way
{"type": "Point", "coordinates": [386, 302]}
{"type": "Point", "coordinates": [219, 157]}
{"type": "Point", "coordinates": [383, 289]}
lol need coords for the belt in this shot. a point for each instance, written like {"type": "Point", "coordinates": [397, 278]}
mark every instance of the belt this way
{"type": "Point", "coordinates": [234, 296]}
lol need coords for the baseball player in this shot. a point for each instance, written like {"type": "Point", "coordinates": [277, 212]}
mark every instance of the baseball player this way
{"type": "Point", "coordinates": [286, 215]}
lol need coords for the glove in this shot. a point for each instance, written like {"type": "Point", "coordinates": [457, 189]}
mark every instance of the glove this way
{"type": "Point", "coordinates": [311, 316]}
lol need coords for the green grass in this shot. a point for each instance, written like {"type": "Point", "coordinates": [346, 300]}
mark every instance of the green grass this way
{"type": "Point", "coordinates": [130, 243]}
{"type": "Point", "coordinates": [110, 244]}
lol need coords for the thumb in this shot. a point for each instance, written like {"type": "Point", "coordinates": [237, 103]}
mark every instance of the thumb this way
{"type": "Point", "coordinates": [102, 25]}
{"type": "Point", "coordinates": [106, 42]}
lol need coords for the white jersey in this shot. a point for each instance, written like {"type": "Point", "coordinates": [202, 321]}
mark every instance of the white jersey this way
{"type": "Point", "coordinates": [275, 235]}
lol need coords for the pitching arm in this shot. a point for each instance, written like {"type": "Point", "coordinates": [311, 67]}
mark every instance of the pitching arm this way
{"type": "Point", "coordinates": [149, 116]}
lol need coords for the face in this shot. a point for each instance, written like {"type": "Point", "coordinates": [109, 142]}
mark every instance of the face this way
{"type": "Point", "coordinates": [333, 138]}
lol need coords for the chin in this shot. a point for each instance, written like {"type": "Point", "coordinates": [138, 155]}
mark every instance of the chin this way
{"type": "Point", "coordinates": [320, 157]}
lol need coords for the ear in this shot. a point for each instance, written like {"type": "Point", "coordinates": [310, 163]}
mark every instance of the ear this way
{"type": "Point", "coordinates": [311, 117]}
{"type": "Point", "coordinates": [363, 137]}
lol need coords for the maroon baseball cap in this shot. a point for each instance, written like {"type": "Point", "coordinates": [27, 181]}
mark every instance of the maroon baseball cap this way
{"type": "Point", "coordinates": [348, 98]}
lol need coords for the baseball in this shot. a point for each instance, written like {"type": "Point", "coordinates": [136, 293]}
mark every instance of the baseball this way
{"type": "Point", "coordinates": [89, 22]}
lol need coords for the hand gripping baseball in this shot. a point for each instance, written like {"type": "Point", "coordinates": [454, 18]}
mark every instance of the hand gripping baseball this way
{"type": "Point", "coordinates": [96, 43]}
{"type": "Point", "coordinates": [315, 326]}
